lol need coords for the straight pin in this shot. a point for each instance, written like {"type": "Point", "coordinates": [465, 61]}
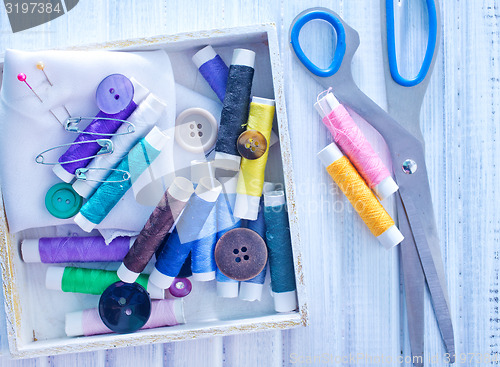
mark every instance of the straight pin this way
{"type": "Point", "coordinates": [41, 66]}
{"type": "Point", "coordinates": [22, 78]}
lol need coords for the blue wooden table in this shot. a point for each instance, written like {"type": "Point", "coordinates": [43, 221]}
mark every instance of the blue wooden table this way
{"type": "Point", "coordinates": [355, 306]}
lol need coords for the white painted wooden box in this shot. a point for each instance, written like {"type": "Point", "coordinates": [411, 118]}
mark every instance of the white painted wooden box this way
{"type": "Point", "coordinates": [36, 315]}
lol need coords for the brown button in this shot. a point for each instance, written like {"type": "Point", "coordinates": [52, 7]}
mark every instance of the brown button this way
{"type": "Point", "coordinates": [252, 144]}
{"type": "Point", "coordinates": [241, 254]}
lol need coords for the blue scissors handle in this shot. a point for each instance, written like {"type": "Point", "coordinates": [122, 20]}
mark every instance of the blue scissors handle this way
{"type": "Point", "coordinates": [391, 45]}
{"type": "Point", "coordinates": [339, 50]}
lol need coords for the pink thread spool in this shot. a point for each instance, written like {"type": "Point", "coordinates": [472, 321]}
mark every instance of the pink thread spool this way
{"type": "Point", "coordinates": [167, 312]}
{"type": "Point", "coordinates": [352, 141]}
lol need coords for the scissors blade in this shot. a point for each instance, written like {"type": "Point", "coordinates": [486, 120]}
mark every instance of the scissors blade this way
{"type": "Point", "coordinates": [414, 281]}
{"type": "Point", "coordinates": [431, 264]}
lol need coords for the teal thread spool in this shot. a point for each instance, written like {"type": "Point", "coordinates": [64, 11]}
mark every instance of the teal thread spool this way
{"type": "Point", "coordinates": [91, 281]}
{"type": "Point", "coordinates": [112, 190]}
{"type": "Point", "coordinates": [279, 245]}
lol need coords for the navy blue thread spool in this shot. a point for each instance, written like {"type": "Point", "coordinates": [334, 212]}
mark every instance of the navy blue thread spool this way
{"type": "Point", "coordinates": [213, 69]}
{"type": "Point", "coordinates": [279, 246]}
{"type": "Point", "coordinates": [180, 242]}
{"type": "Point", "coordinates": [251, 290]}
{"type": "Point", "coordinates": [66, 172]}
{"type": "Point", "coordinates": [226, 287]}
{"type": "Point", "coordinates": [234, 114]}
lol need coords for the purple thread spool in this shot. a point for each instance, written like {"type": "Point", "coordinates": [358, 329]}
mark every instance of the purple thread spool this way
{"type": "Point", "coordinates": [51, 250]}
{"type": "Point", "coordinates": [213, 69]}
{"type": "Point", "coordinates": [117, 97]}
{"type": "Point", "coordinates": [181, 287]}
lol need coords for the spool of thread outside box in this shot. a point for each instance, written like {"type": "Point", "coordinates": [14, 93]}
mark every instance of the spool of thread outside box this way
{"type": "Point", "coordinates": [352, 141]}
{"type": "Point", "coordinates": [361, 197]}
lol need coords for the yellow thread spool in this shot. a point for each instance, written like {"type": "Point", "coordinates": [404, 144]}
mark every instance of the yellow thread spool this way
{"type": "Point", "coordinates": [360, 196]}
{"type": "Point", "coordinates": [251, 178]}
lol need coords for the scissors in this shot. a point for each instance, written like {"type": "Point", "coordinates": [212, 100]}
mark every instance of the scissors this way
{"type": "Point", "coordinates": [421, 260]}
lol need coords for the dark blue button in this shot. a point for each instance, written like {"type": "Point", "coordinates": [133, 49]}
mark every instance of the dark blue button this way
{"type": "Point", "coordinates": [125, 307]}
{"type": "Point", "coordinates": [114, 93]}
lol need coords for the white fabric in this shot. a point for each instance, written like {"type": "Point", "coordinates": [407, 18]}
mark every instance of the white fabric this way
{"type": "Point", "coordinates": [27, 127]}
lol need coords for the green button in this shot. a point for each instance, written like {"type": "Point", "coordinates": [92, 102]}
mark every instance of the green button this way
{"type": "Point", "coordinates": [62, 201]}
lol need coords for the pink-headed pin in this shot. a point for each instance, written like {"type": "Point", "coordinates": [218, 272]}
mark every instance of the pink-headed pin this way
{"type": "Point", "coordinates": [22, 78]}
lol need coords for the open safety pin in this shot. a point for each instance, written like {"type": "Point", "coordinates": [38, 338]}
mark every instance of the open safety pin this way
{"type": "Point", "coordinates": [80, 174]}
{"type": "Point", "coordinates": [106, 144]}
{"type": "Point", "coordinates": [71, 125]}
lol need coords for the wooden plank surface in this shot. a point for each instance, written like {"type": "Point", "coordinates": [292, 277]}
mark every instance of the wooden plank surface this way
{"type": "Point", "coordinates": [353, 284]}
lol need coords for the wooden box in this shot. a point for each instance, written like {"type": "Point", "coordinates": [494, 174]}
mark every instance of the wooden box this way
{"type": "Point", "coordinates": [35, 316]}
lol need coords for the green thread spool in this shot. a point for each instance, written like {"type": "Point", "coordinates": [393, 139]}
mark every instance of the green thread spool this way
{"type": "Point", "coordinates": [91, 281]}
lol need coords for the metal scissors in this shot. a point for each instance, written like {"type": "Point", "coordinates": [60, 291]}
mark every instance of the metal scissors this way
{"type": "Point", "coordinates": [420, 250]}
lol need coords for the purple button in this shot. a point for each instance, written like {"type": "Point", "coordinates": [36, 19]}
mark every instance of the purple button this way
{"type": "Point", "coordinates": [114, 93]}
{"type": "Point", "coordinates": [181, 287]}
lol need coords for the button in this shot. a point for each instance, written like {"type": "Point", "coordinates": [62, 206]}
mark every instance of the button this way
{"type": "Point", "coordinates": [252, 144]}
{"type": "Point", "coordinates": [180, 287]}
{"type": "Point", "coordinates": [62, 201]}
{"type": "Point", "coordinates": [196, 130]}
{"type": "Point", "coordinates": [241, 254]}
{"type": "Point", "coordinates": [124, 307]}
{"type": "Point", "coordinates": [114, 93]}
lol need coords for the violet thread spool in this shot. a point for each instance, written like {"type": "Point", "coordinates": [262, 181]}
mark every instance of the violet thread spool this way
{"type": "Point", "coordinates": [143, 118]}
{"type": "Point", "coordinates": [352, 141]}
{"type": "Point", "coordinates": [235, 109]}
{"type": "Point", "coordinates": [156, 229]}
{"type": "Point", "coordinates": [213, 69]}
{"type": "Point", "coordinates": [226, 287]}
{"type": "Point", "coordinates": [279, 244]}
{"type": "Point", "coordinates": [51, 250]}
{"type": "Point", "coordinates": [117, 97]}
{"type": "Point", "coordinates": [168, 312]}
{"type": "Point", "coordinates": [187, 230]}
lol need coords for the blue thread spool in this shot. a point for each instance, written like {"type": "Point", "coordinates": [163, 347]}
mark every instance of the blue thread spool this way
{"type": "Point", "coordinates": [213, 69]}
{"type": "Point", "coordinates": [182, 239]}
{"type": "Point", "coordinates": [279, 245]}
{"type": "Point", "coordinates": [112, 190]}
{"type": "Point", "coordinates": [234, 114]}
{"type": "Point", "coordinates": [251, 290]}
{"type": "Point", "coordinates": [226, 287]}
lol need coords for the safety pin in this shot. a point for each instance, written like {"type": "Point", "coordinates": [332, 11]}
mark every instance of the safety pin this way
{"type": "Point", "coordinates": [106, 144]}
{"type": "Point", "coordinates": [80, 174]}
{"type": "Point", "coordinates": [71, 125]}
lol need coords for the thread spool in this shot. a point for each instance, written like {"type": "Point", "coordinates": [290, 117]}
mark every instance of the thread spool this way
{"type": "Point", "coordinates": [352, 141]}
{"type": "Point", "coordinates": [251, 290]}
{"type": "Point", "coordinates": [202, 251]}
{"type": "Point", "coordinates": [279, 246]}
{"type": "Point", "coordinates": [187, 230]}
{"type": "Point", "coordinates": [93, 131]}
{"type": "Point", "coordinates": [361, 197]}
{"type": "Point", "coordinates": [251, 178]}
{"type": "Point", "coordinates": [167, 312]}
{"type": "Point", "coordinates": [51, 250]}
{"type": "Point", "coordinates": [156, 229]}
{"type": "Point", "coordinates": [235, 109]}
{"type": "Point", "coordinates": [143, 118]}
{"type": "Point", "coordinates": [91, 281]}
{"type": "Point", "coordinates": [213, 69]}
{"type": "Point", "coordinates": [112, 190]}
{"type": "Point", "coordinates": [226, 287]}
